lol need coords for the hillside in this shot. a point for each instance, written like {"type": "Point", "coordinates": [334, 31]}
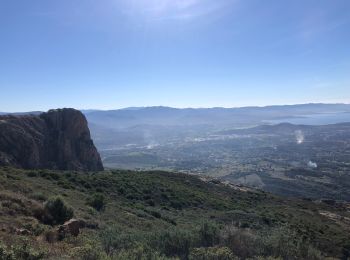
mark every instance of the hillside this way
{"type": "Point", "coordinates": [162, 215]}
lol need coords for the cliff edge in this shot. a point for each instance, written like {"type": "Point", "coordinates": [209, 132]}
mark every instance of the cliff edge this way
{"type": "Point", "coordinates": [59, 139]}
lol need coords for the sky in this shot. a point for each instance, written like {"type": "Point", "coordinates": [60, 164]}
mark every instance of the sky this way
{"type": "Point", "coordinates": [111, 54]}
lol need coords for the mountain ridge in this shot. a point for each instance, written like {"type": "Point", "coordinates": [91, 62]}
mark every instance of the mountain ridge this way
{"type": "Point", "coordinates": [135, 108]}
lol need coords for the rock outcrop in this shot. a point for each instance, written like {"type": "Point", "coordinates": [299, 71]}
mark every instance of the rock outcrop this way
{"type": "Point", "coordinates": [59, 139]}
{"type": "Point", "coordinates": [71, 227]}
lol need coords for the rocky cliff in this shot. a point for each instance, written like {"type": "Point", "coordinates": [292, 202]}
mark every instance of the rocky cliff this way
{"type": "Point", "coordinates": [59, 139]}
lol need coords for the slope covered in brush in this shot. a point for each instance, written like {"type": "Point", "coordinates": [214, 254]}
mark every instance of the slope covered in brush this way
{"type": "Point", "coordinates": [162, 215]}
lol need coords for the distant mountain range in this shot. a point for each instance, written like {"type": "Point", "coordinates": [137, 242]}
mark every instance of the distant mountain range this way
{"type": "Point", "coordinates": [22, 113]}
{"type": "Point", "coordinates": [156, 125]}
{"type": "Point", "coordinates": [167, 116]}
{"type": "Point", "coordinates": [149, 125]}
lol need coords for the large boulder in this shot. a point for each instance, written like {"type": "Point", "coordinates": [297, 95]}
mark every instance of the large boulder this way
{"type": "Point", "coordinates": [71, 227]}
{"type": "Point", "coordinates": [59, 139]}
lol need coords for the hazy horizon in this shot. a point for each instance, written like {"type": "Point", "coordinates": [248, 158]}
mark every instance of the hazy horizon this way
{"type": "Point", "coordinates": [164, 106]}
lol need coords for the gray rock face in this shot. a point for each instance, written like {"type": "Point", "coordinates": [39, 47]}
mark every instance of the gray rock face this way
{"type": "Point", "coordinates": [59, 139]}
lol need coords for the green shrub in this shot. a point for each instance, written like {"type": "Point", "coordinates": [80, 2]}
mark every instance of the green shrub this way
{"type": "Point", "coordinates": [39, 196]}
{"type": "Point", "coordinates": [97, 201]}
{"type": "Point", "coordinates": [51, 236]}
{"type": "Point", "coordinates": [242, 242]}
{"type": "Point", "coordinates": [25, 252]}
{"type": "Point", "coordinates": [280, 243]}
{"type": "Point", "coordinates": [89, 251]}
{"type": "Point", "coordinates": [32, 174]}
{"type": "Point", "coordinates": [6, 254]}
{"type": "Point", "coordinates": [35, 228]}
{"type": "Point", "coordinates": [209, 234]}
{"type": "Point", "coordinates": [173, 242]}
{"type": "Point", "coordinates": [212, 253]}
{"type": "Point", "coordinates": [21, 251]}
{"type": "Point", "coordinates": [113, 239]}
{"type": "Point", "coordinates": [56, 211]}
{"type": "Point", "coordinates": [139, 253]}
{"type": "Point", "coordinates": [285, 243]}
{"type": "Point", "coordinates": [156, 214]}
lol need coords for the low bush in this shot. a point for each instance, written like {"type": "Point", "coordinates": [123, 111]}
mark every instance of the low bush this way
{"type": "Point", "coordinates": [209, 234]}
{"type": "Point", "coordinates": [6, 254]}
{"type": "Point", "coordinates": [39, 196]}
{"type": "Point", "coordinates": [97, 201]}
{"type": "Point", "coordinates": [240, 241]}
{"type": "Point", "coordinates": [21, 251]}
{"type": "Point", "coordinates": [281, 243]}
{"type": "Point", "coordinates": [113, 240]}
{"type": "Point", "coordinates": [140, 252]}
{"type": "Point", "coordinates": [57, 211]}
{"type": "Point", "coordinates": [212, 253]}
{"type": "Point", "coordinates": [174, 242]}
{"type": "Point", "coordinates": [89, 251]}
{"type": "Point", "coordinates": [285, 243]}
{"type": "Point", "coordinates": [32, 174]}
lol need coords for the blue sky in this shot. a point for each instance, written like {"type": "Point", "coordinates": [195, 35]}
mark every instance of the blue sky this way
{"type": "Point", "coordinates": [182, 53]}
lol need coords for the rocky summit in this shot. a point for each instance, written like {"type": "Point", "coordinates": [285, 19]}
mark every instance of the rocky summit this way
{"type": "Point", "coordinates": [59, 139]}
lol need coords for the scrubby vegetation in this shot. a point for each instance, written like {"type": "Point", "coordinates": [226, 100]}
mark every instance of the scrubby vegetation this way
{"type": "Point", "coordinates": [97, 201]}
{"type": "Point", "coordinates": [160, 215]}
{"type": "Point", "coordinates": [21, 250]}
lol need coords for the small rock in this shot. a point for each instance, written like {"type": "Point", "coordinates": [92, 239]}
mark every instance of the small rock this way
{"type": "Point", "coordinates": [214, 181]}
{"type": "Point", "coordinates": [22, 231]}
{"type": "Point", "coordinates": [329, 201]}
